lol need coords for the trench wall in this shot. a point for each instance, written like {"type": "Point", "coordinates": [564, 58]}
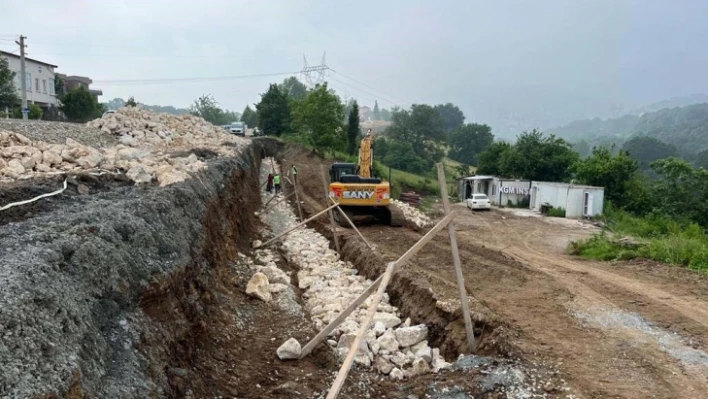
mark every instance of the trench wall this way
{"type": "Point", "coordinates": [99, 295]}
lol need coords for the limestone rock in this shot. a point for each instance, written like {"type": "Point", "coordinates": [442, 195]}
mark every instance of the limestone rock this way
{"type": "Point", "coordinates": [396, 374]}
{"type": "Point", "coordinates": [379, 328]}
{"type": "Point", "coordinates": [424, 353]}
{"type": "Point", "coordinates": [274, 274]}
{"type": "Point", "coordinates": [400, 359]}
{"type": "Point", "coordinates": [408, 336]}
{"type": "Point", "coordinates": [419, 366]}
{"type": "Point", "coordinates": [382, 365]}
{"type": "Point", "coordinates": [389, 320]}
{"type": "Point", "coordinates": [139, 174]}
{"type": "Point", "coordinates": [388, 341]}
{"type": "Point", "coordinates": [363, 355]}
{"type": "Point", "coordinates": [289, 350]}
{"type": "Point", "coordinates": [259, 287]}
{"type": "Point", "coordinates": [51, 157]}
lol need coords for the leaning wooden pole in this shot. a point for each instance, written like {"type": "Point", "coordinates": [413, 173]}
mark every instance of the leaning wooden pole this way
{"type": "Point", "coordinates": [297, 196]}
{"type": "Point", "coordinates": [456, 260]}
{"type": "Point", "coordinates": [344, 371]}
{"type": "Point", "coordinates": [331, 215]}
{"type": "Point", "coordinates": [276, 202]}
{"type": "Point", "coordinates": [279, 236]}
{"type": "Point", "coordinates": [359, 300]}
{"type": "Point", "coordinates": [344, 214]}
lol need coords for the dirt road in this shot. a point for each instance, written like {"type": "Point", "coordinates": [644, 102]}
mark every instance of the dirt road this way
{"type": "Point", "coordinates": [628, 330]}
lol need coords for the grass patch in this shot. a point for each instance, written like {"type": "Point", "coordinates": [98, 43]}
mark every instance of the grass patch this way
{"type": "Point", "coordinates": [557, 212]}
{"type": "Point", "coordinates": [659, 238]}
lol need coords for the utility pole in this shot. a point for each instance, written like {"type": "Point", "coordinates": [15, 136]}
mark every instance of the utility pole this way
{"type": "Point", "coordinates": [23, 79]}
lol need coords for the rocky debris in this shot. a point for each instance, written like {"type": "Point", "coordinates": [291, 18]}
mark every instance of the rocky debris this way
{"type": "Point", "coordinates": [289, 350]}
{"type": "Point", "coordinates": [412, 214]}
{"type": "Point", "coordinates": [396, 374]}
{"type": "Point", "coordinates": [409, 336]}
{"type": "Point", "coordinates": [150, 147]}
{"type": "Point", "coordinates": [329, 285]}
{"type": "Point", "coordinates": [259, 287]}
{"type": "Point", "coordinates": [274, 274]}
{"type": "Point", "coordinates": [57, 132]}
{"type": "Point", "coordinates": [420, 366]}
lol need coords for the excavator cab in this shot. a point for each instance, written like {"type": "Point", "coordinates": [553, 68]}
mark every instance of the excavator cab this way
{"type": "Point", "coordinates": [349, 173]}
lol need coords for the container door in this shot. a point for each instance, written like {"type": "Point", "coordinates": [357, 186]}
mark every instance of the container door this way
{"type": "Point", "coordinates": [587, 204]}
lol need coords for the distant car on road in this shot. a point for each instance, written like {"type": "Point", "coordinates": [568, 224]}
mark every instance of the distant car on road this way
{"type": "Point", "coordinates": [112, 111]}
{"type": "Point", "coordinates": [238, 128]}
{"type": "Point", "coordinates": [479, 202]}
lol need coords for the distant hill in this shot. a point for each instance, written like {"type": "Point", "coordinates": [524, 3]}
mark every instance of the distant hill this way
{"type": "Point", "coordinates": [684, 127]}
{"type": "Point", "coordinates": [683, 101]}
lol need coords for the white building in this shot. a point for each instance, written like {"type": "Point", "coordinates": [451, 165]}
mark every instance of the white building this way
{"type": "Point", "coordinates": [577, 200]}
{"type": "Point", "coordinates": [39, 78]}
{"type": "Point", "coordinates": [499, 190]}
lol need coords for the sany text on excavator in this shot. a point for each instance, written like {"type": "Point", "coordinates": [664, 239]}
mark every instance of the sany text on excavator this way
{"type": "Point", "coordinates": [359, 193]}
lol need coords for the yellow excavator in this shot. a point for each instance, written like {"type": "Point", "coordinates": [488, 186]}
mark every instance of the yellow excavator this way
{"type": "Point", "coordinates": [359, 193]}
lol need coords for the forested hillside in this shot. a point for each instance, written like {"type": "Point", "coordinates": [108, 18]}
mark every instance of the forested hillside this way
{"type": "Point", "coordinates": [686, 128]}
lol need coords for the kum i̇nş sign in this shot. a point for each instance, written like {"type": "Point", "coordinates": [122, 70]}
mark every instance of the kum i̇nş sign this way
{"type": "Point", "coordinates": [514, 190]}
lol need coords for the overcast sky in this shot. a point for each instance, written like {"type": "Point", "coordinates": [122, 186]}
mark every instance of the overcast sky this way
{"type": "Point", "coordinates": [539, 62]}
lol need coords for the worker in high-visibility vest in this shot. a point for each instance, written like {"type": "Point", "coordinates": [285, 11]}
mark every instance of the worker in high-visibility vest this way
{"type": "Point", "coordinates": [276, 183]}
{"type": "Point", "coordinates": [294, 170]}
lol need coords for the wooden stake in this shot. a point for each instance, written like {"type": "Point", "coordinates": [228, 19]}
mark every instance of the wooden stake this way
{"type": "Point", "coordinates": [344, 371]}
{"type": "Point", "coordinates": [276, 202]}
{"type": "Point", "coordinates": [331, 215]}
{"type": "Point", "coordinates": [295, 227]}
{"type": "Point", "coordinates": [371, 247]}
{"type": "Point", "coordinates": [358, 301]}
{"type": "Point", "coordinates": [297, 196]}
{"type": "Point", "coordinates": [456, 260]}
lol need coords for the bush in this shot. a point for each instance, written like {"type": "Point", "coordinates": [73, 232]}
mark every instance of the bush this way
{"type": "Point", "coordinates": [666, 240]}
{"type": "Point", "coordinates": [557, 212]}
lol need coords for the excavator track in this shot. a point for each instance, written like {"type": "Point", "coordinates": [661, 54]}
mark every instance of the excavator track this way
{"type": "Point", "coordinates": [397, 218]}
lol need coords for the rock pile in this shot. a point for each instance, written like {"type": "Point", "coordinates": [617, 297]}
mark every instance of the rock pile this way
{"type": "Point", "coordinates": [139, 128]}
{"type": "Point", "coordinates": [145, 155]}
{"type": "Point", "coordinates": [392, 347]}
{"type": "Point", "coordinates": [412, 214]}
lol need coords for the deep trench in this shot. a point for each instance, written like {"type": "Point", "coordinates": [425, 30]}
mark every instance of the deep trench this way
{"type": "Point", "coordinates": [152, 266]}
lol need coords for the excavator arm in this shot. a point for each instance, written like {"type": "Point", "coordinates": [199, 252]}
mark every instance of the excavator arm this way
{"type": "Point", "coordinates": [366, 155]}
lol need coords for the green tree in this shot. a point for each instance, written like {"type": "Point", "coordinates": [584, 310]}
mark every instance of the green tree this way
{"type": "Point", "coordinates": [353, 129]}
{"type": "Point", "coordinates": [318, 118]}
{"type": "Point", "coordinates": [274, 111]}
{"type": "Point", "coordinates": [81, 106]}
{"type": "Point", "coordinates": [249, 116]}
{"type": "Point", "coordinates": [401, 155]}
{"type": "Point", "coordinates": [385, 115]}
{"type": "Point", "coordinates": [295, 89]}
{"type": "Point", "coordinates": [647, 149]}
{"type": "Point", "coordinates": [451, 116]}
{"type": "Point", "coordinates": [681, 191]}
{"type": "Point", "coordinates": [59, 86]}
{"type": "Point", "coordinates": [207, 108]}
{"type": "Point", "coordinates": [131, 102]}
{"type": "Point", "coordinates": [377, 112]}
{"type": "Point", "coordinates": [422, 127]}
{"type": "Point", "coordinates": [8, 91]}
{"type": "Point", "coordinates": [701, 160]}
{"type": "Point", "coordinates": [468, 141]}
{"type": "Point", "coordinates": [489, 161]}
{"type": "Point", "coordinates": [618, 174]}
{"type": "Point", "coordinates": [535, 156]}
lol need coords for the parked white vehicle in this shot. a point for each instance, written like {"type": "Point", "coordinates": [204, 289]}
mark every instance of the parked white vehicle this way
{"type": "Point", "coordinates": [479, 201]}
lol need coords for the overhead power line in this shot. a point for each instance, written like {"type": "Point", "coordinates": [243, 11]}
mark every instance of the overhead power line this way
{"type": "Point", "coordinates": [364, 91]}
{"type": "Point", "coordinates": [129, 82]}
{"type": "Point", "coordinates": [371, 87]}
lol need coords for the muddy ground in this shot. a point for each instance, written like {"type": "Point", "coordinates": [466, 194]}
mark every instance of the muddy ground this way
{"type": "Point", "coordinates": [622, 330]}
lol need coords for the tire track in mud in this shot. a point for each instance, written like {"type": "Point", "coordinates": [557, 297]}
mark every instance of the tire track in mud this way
{"type": "Point", "coordinates": [601, 312]}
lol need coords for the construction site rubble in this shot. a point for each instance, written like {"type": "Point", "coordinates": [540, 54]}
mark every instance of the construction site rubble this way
{"type": "Point", "coordinates": [392, 347]}
{"type": "Point", "coordinates": [412, 214]}
{"type": "Point", "coordinates": [152, 147]}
